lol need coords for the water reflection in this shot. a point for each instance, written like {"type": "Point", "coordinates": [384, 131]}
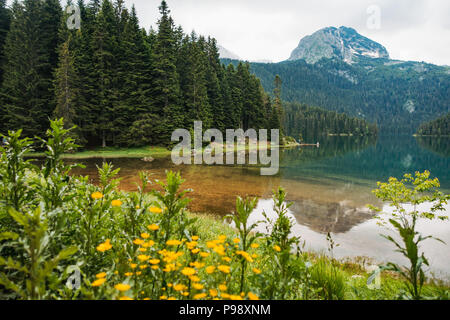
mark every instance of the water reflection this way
{"type": "Point", "coordinates": [438, 145]}
{"type": "Point", "coordinates": [363, 239]}
{"type": "Point", "coordinates": [329, 186]}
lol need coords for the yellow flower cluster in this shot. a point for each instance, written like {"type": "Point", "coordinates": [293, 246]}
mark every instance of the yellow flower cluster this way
{"type": "Point", "coordinates": [105, 246]}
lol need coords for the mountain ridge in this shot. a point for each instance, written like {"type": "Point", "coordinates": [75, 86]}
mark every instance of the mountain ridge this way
{"type": "Point", "coordinates": [344, 43]}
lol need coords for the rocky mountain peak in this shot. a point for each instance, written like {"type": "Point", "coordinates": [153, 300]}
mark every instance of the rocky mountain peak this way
{"type": "Point", "coordinates": [343, 43]}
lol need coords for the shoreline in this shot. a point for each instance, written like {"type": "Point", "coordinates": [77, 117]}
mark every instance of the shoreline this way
{"type": "Point", "coordinates": [143, 152]}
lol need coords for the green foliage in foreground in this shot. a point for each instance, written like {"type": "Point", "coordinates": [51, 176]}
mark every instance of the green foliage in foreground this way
{"type": "Point", "coordinates": [413, 191]}
{"type": "Point", "coordinates": [64, 238]}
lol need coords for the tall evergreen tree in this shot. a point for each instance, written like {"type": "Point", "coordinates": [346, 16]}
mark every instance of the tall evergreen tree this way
{"type": "Point", "coordinates": [104, 44]}
{"type": "Point", "coordinates": [66, 86]}
{"type": "Point", "coordinates": [166, 88]}
{"type": "Point", "coordinates": [192, 70]}
{"type": "Point", "coordinates": [278, 104]}
{"type": "Point", "coordinates": [28, 75]}
{"type": "Point", "coordinates": [4, 28]}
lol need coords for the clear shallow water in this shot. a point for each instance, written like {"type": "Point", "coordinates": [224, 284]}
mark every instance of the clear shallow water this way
{"type": "Point", "coordinates": [330, 187]}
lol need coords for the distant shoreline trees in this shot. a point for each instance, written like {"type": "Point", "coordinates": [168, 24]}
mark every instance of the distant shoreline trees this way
{"type": "Point", "coordinates": [437, 127]}
{"type": "Point", "coordinates": [307, 123]}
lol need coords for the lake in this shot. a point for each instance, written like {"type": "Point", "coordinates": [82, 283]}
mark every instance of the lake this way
{"type": "Point", "coordinates": [329, 186]}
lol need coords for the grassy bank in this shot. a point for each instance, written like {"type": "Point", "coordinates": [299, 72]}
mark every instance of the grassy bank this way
{"type": "Point", "coordinates": [142, 152]}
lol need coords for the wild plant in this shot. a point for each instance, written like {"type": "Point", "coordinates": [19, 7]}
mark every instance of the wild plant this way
{"type": "Point", "coordinates": [244, 207]}
{"type": "Point", "coordinates": [413, 191]}
{"type": "Point", "coordinates": [15, 191]}
{"type": "Point", "coordinates": [32, 272]}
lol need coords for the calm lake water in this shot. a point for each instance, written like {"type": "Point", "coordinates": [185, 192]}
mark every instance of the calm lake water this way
{"type": "Point", "coordinates": [330, 187]}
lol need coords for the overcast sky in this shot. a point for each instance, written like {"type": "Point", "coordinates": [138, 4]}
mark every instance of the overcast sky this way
{"type": "Point", "coordinates": [270, 29]}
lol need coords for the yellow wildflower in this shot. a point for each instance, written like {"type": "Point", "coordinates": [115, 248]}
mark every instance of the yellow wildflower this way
{"type": "Point", "coordinates": [154, 261]}
{"type": "Point", "coordinates": [148, 243]}
{"type": "Point", "coordinates": [138, 241]}
{"type": "Point", "coordinates": [98, 282]}
{"type": "Point", "coordinates": [194, 279]}
{"type": "Point", "coordinates": [254, 245]}
{"type": "Point", "coordinates": [153, 227]}
{"type": "Point", "coordinates": [222, 287]}
{"type": "Point", "coordinates": [125, 298]}
{"type": "Point", "coordinates": [220, 250]}
{"type": "Point", "coordinates": [179, 287]}
{"type": "Point", "coordinates": [133, 265]}
{"type": "Point", "coordinates": [105, 246]}
{"type": "Point", "coordinates": [116, 203]}
{"type": "Point", "coordinates": [197, 286]}
{"type": "Point", "coordinates": [191, 245]}
{"type": "Point", "coordinates": [195, 251]}
{"type": "Point", "coordinates": [252, 296]}
{"type": "Point", "coordinates": [195, 238]}
{"type": "Point", "coordinates": [142, 249]}
{"type": "Point", "coordinates": [143, 257]}
{"type": "Point", "coordinates": [204, 254]}
{"type": "Point", "coordinates": [256, 270]}
{"type": "Point", "coordinates": [173, 242]}
{"type": "Point", "coordinates": [145, 235]}
{"type": "Point", "coordinates": [226, 259]}
{"type": "Point", "coordinates": [236, 240]}
{"type": "Point", "coordinates": [245, 255]}
{"type": "Point", "coordinates": [100, 275]}
{"type": "Point", "coordinates": [128, 274]}
{"type": "Point", "coordinates": [163, 297]}
{"type": "Point", "coordinates": [235, 297]}
{"type": "Point", "coordinates": [200, 296]}
{"type": "Point", "coordinates": [210, 269]}
{"type": "Point", "coordinates": [155, 210]}
{"type": "Point", "coordinates": [277, 248]}
{"type": "Point", "coordinates": [213, 293]}
{"type": "Point", "coordinates": [97, 195]}
{"type": "Point", "coordinates": [188, 271]}
{"type": "Point", "coordinates": [224, 269]}
{"type": "Point", "coordinates": [122, 287]}
{"type": "Point", "coordinates": [211, 244]}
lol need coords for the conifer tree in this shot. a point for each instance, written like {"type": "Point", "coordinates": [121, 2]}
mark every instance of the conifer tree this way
{"type": "Point", "coordinates": [166, 87]}
{"type": "Point", "coordinates": [66, 86]}
{"type": "Point", "coordinates": [4, 27]}
{"type": "Point", "coordinates": [103, 45]}
{"type": "Point", "coordinates": [28, 74]}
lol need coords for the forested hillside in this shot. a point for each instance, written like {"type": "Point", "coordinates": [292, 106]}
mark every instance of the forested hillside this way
{"type": "Point", "coordinates": [121, 85]}
{"type": "Point", "coordinates": [437, 127]}
{"type": "Point", "coordinates": [396, 95]}
{"type": "Point", "coordinates": [309, 123]}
